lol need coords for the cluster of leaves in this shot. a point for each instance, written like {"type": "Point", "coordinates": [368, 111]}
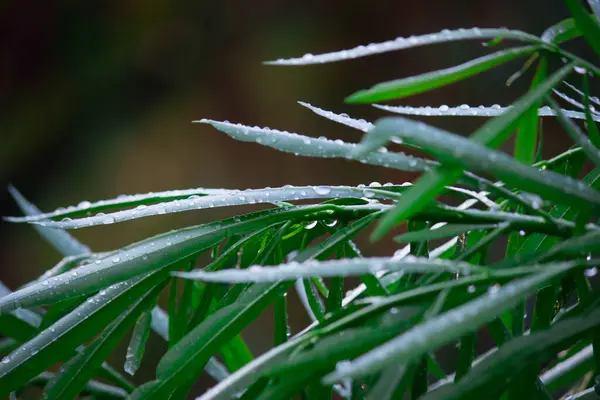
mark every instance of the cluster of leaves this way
{"type": "Point", "coordinates": [377, 341]}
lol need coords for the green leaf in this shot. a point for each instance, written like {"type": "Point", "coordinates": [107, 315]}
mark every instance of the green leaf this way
{"type": "Point", "coordinates": [488, 378]}
{"type": "Point", "coordinates": [448, 326]}
{"type": "Point", "coordinates": [232, 198]}
{"type": "Point", "coordinates": [526, 140]}
{"type": "Point", "coordinates": [343, 267]}
{"type": "Point", "coordinates": [467, 153]}
{"type": "Point", "coordinates": [587, 24]}
{"type": "Point", "coordinates": [589, 118]}
{"type": "Point", "coordinates": [405, 43]}
{"type": "Point", "coordinates": [137, 343]}
{"type": "Point", "coordinates": [59, 340]}
{"type": "Point", "coordinates": [70, 381]}
{"type": "Point", "coordinates": [491, 134]}
{"type": "Point", "coordinates": [421, 83]}
{"type": "Point", "coordinates": [466, 110]}
{"type": "Point", "coordinates": [561, 32]}
{"type": "Point", "coordinates": [442, 232]}
{"type": "Point", "coordinates": [251, 372]}
{"type": "Point", "coordinates": [569, 370]}
{"type": "Point", "coordinates": [146, 256]}
{"type": "Point", "coordinates": [181, 364]}
{"type": "Point", "coordinates": [315, 147]}
{"type": "Point", "coordinates": [591, 151]}
{"type": "Point", "coordinates": [60, 240]}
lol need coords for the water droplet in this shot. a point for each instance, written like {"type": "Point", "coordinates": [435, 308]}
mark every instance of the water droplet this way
{"type": "Point", "coordinates": [492, 290]}
{"type": "Point", "coordinates": [580, 70]}
{"type": "Point", "coordinates": [444, 108]}
{"type": "Point", "coordinates": [311, 225]}
{"type": "Point", "coordinates": [522, 233]}
{"type": "Point", "coordinates": [369, 193]}
{"type": "Point", "coordinates": [375, 184]}
{"type": "Point", "coordinates": [116, 259]}
{"type": "Point", "coordinates": [322, 190]}
{"type": "Point", "coordinates": [98, 262]}
{"type": "Point", "coordinates": [84, 204]}
{"type": "Point", "coordinates": [6, 360]}
{"type": "Point", "coordinates": [590, 272]}
{"type": "Point", "coordinates": [471, 289]}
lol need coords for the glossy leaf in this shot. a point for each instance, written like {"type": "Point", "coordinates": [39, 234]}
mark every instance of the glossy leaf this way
{"type": "Point", "coordinates": [401, 43]}
{"type": "Point", "coordinates": [420, 83]}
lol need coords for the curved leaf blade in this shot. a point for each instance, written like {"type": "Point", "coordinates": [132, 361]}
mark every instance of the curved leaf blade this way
{"type": "Point", "coordinates": [448, 325]}
{"type": "Point", "coordinates": [233, 198]}
{"type": "Point", "coordinates": [465, 110]}
{"type": "Point", "coordinates": [316, 147]}
{"type": "Point", "coordinates": [401, 43]}
{"type": "Point", "coordinates": [400, 88]}
{"type": "Point", "coordinates": [344, 267]}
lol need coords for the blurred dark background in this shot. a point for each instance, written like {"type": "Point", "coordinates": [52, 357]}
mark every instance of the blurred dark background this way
{"type": "Point", "coordinates": [97, 99]}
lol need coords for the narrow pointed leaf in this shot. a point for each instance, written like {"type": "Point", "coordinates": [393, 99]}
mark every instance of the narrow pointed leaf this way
{"type": "Point", "coordinates": [343, 119]}
{"type": "Point", "coordinates": [469, 154]}
{"type": "Point", "coordinates": [233, 198]}
{"type": "Point", "coordinates": [137, 343]}
{"type": "Point", "coordinates": [401, 43]}
{"type": "Point", "coordinates": [473, 111]}
{"type": "Point", "coordinates": [71, 380]}
{"type": "Point", "coordinates": [491, 134]}
{"type": "Point", "coordinates": [316, 147]}
{"type": "Point", "coordinates": [488, 377]}
{"type": "Point", "coordinates": [526, 141]}
{"type": "Point", "coordinates": [448, 326]}
{"type": "Point", "coordinates": [145, 256]}
{"type": "Point", "coordinates": [442, 232]}
{"type": "Point", "coordinates": [183, 363]}
{"type": "Point", "coordinates": [62, 241]}
{"type": "Point", "coordinates": [561, 32]}
{"type": "Point", "coordinates": [587, 24]}
{"type": "Point", "coordinates": [580, 139]}
{"type": "Point", "coordinates": [344, 267]}
{"type": "Point", "coordinates": [420, 83]}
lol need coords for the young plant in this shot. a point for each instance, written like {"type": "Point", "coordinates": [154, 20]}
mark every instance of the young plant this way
{"type": "Point", "coordinates": [378, 340]}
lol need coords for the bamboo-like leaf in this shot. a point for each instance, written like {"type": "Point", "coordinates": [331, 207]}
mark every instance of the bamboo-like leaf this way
{"type": "Point", "coordinates": [492, 134]}
{"type": "Point", "coordinates": [420, 83]}
{"type": "Point", "coordinates": [71, 380]}
{"type": "Point", "coordinates": [233, 198]}
{"type": "Point", "coordinates": [146, 256]}
{"type": "Point", "coordinates": [439, 233]}
{"type": "Point", "coordinates": [591, 151]}
{"type": "Point", "coordinates": [561, 32]}
{"type": "Point", "coordinates": [526, 141]}
{"type": "Point", "coordinates": [360, 124]}
{"type": "Point", "coordinates": [581, 93]}
{"type": "Point", "coordinates": [85, 207]}
{"type": "Point", "coordinates": [488, 377]}
{"type": "Point", "coordinates": [586, 23]}
{"type": "Point", "coordinates": [345, 267]}
{"type": "Point", "coordinates": [401, 43]}
{"type": "Point", "coordinates": [465, 110]}
{"type": "Point", "coordinates": [458, 150]}
{"type": "Point", "coordinates": [60, 339]}
{"type": "Point", "coordinates": [569, 370]}
{"type": "Point", "coordinates": [185, 360]}
{"type": "Point", "coordinates": [62, 241]}
{"type": "Point", "coordinates": [137, 344]}
{"type": "Point", "coordinates": [316, 147]}
{"type": "Point", "coordinates": [448, 326]}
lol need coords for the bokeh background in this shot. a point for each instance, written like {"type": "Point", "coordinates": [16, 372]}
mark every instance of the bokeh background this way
{"type": "Point", "coordinates": [97, 99]}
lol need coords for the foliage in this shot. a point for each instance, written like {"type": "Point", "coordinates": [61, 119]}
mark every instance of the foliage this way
{"type": "Point", "coordinates": [378, 340]}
